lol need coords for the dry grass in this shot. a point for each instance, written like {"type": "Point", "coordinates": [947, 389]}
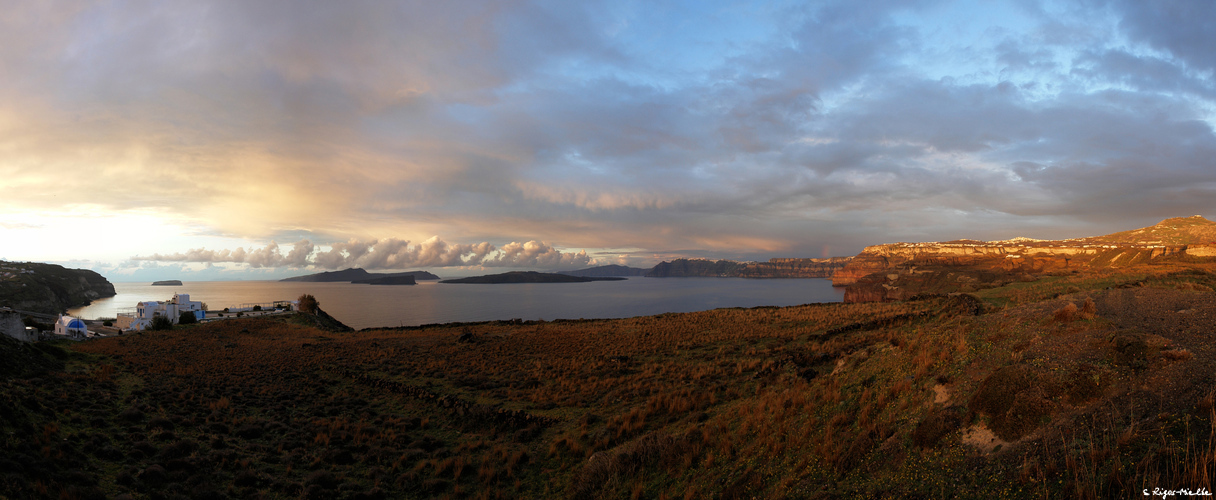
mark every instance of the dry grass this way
{"type": "Point", "coordinates": [832, 400]}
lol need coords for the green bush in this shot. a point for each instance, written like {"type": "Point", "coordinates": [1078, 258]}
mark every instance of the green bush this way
{"type": "Point", "coordinates": [187, 318]}
{"type": "Point", "coordinates": [160, 322]}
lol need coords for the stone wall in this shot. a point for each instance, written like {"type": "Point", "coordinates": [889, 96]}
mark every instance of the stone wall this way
{"type": "Point", "coordinates": [11, 325]}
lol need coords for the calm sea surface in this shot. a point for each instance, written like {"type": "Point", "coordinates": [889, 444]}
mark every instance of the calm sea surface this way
{"type": "Point", "coordinates": [364, 306]}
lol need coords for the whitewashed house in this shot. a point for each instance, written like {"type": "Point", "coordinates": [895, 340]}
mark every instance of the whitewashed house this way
{"type": "Point", "coordinates": [141, 317]}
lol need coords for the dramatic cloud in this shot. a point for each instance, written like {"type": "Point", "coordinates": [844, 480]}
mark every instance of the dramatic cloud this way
{"type": "Point", "coordinates": [385, 254]}
{"type": "Point", "coordinates": [718, 129]}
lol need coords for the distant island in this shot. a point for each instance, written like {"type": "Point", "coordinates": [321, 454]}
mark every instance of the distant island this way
{"type": "Point", "coordinates": [682, 268]}
{"type": "Point", "coordinates": [390, 280]}
{"type": "Point", "coordinates": [359, 275]}
{"type": "Point", "coordinates": [167, 283]}
{"type": "Point", "coordinates": [530, 277]}
{"type": "Point", "coordinates": [609, 270]}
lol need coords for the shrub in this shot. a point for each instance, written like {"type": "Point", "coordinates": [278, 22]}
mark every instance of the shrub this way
{"type": "Point", "coordinates": [257, 308]}
{"type": "Point", "coordinates": [308, 304]}
{"type": "Point", "coordinates": [160, 322]}
{"type": "Point", "coordinates": [1065, 314]}
{"type": "Point", "coordinates": [1089, 310]}
{"type": "Point", "coordinates": [186, 318]}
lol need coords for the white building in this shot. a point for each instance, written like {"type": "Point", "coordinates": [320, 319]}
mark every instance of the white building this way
{"type": "Point", "coordinates": [141, 317]}
{"type": "Point", "coordinates": [71, 327]}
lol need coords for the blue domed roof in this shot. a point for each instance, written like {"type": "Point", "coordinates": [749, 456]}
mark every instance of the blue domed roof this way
{"type": "Point", "coordinates": [75, 324]}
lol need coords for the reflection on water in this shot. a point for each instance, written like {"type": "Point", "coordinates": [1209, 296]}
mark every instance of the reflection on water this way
{"type": "Point", "coordinates": [364, 306]}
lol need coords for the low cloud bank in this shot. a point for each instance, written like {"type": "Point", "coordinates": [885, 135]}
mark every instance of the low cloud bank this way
{"type": "Point", "coordinates": [390, 253]}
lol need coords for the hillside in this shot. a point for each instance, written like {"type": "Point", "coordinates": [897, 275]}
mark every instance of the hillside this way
{"type": "Point", "coordinates": [1091, 385]}
{"type": "Point", "coordinates": [49, 288]}
{"type": "Point", "coordinates": [1193, 230]}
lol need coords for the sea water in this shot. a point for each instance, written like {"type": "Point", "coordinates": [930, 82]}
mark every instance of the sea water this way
{"type": "Point", "coordinates": [366, 306]}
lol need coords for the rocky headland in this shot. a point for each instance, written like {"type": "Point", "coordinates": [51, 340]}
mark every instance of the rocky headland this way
{"type": "Point", "coordinates": [49, 288]}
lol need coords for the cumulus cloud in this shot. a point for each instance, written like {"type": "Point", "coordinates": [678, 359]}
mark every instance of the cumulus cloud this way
{"type": "Point", "coordinates": [267, 256]}
{"type": "Point", "coordinates": [536, 254]}
{"type": "Point", "coordinates": [720, 128]}
{"type": "Point", "coordinates": [390, 253]}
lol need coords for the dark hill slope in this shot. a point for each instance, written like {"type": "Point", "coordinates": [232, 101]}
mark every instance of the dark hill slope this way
{"type": "Point", "coordinates": [49, 288]}
{"type": "Point", "coordinates": [1036, 392]}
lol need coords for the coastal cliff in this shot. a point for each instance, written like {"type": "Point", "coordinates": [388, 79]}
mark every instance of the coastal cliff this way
{"type": "Point", "coordinates": [778, 267]}
{"type": "Point", "coordinates": [897, 271]}
{"type": "Point", "coordinates": [794, 268]}
{"type": "Point", "coordinates": [49, 288]}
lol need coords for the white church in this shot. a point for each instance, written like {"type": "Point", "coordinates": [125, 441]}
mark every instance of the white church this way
{"type": "Point", "coordinates": [71, 327]}
{"type": "Point", "coordinates": [141, 318]}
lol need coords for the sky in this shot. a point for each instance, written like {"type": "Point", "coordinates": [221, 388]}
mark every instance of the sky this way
{"type": "Point", "coordinates": [263, 139]}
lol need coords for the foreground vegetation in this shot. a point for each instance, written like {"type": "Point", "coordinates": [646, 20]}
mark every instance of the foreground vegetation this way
{"type": "Point", "coordinates": [1079, 385]}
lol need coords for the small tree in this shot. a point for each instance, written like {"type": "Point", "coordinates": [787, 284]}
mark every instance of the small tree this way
{"type": "Point", "coordinates": [187, 318]}
{"type": "Point", "coordinates": [161, 322]}
{"type": "Point", "coordinates": [309, 304]}
{"type": "Point", "coordinates": [257, 308]}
